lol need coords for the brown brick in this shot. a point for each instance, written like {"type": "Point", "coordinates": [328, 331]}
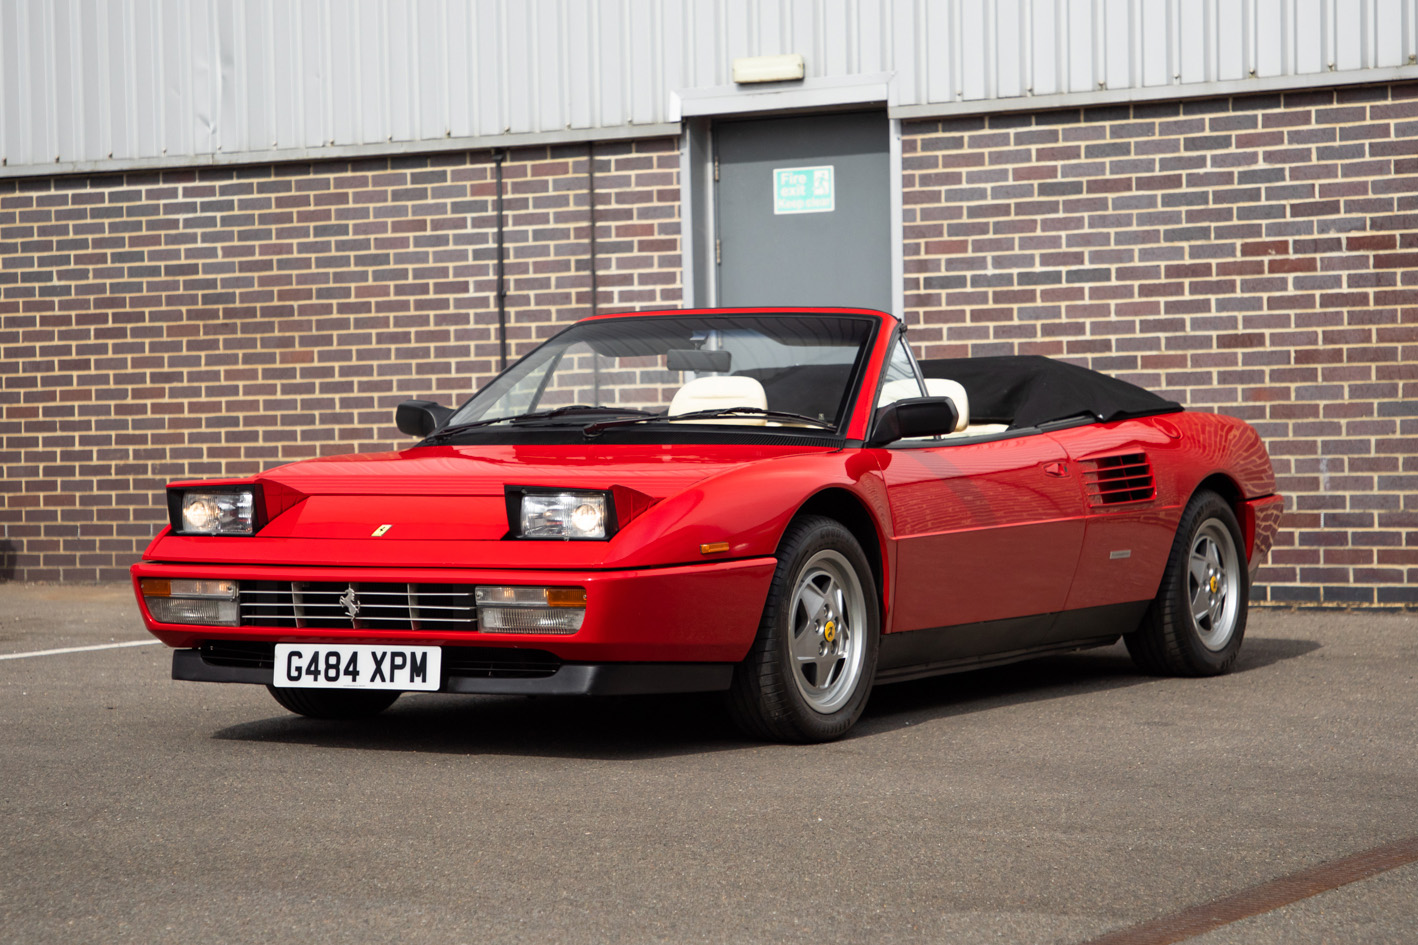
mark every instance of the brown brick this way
{"type": "Point", "coordinates": [1293, 264]}
{"type": "Point", "coordinates": [1245, 340]}
{"type": "Point", "coordinates": [1267, 248]}
{"type": "Point", "coordinates": [350, 285]}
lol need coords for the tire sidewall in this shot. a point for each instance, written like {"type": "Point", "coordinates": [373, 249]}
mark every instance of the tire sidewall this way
{"type": "Point", "coordinates": [1206, 507]}
{"type": "Point", "coordinates": [334, 704]}
{"type": "Point", "coordinates": [820, 534]}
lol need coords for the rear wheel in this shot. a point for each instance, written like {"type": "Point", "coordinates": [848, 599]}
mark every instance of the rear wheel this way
{"type": "Point", "coordinates": [1195, 625]}
{"type": "Point", "coordinates": [811, 667]}
{"type": "Point", "coordinates": [334, 703]}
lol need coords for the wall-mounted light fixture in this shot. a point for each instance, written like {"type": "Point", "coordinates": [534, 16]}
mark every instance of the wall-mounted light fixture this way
{"type": "Point", "coordinates": [783, 68]}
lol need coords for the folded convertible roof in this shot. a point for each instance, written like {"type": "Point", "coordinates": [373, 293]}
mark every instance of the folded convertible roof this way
{"type": "Point", "coordinates": [1027, 390]}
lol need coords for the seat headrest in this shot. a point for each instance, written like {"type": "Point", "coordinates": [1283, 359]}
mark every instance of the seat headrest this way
{"type": "Point", "coordinates": [943, 387]}
{"type": "Point", "coordinates": [905, 387]}
{"type": "Point", "coordinates": [719, 391]}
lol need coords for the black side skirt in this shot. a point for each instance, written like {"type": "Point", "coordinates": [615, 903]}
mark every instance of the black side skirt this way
{"type": "Point", "coordinates": [918, 653]}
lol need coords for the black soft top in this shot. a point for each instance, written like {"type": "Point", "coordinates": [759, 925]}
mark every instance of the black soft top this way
{"type": "Point", "coordinates": [1027, 390]}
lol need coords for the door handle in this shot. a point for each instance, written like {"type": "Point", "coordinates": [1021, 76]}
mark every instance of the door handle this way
{"type": "Point", "coordinates": [1057, 470]}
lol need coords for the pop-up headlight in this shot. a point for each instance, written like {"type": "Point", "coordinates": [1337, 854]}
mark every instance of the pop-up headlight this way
{"type": "Point", "coordinates": [568, 516]}
{"type": "Point", "coordinates": [218, 511]}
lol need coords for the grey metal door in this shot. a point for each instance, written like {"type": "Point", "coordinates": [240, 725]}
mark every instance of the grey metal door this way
{"type": "Point", "coordinates": [803, 211]}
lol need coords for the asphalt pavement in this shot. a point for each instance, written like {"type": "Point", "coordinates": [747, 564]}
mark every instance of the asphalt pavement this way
{"type": "Point", "coordinates": [1057, 801]}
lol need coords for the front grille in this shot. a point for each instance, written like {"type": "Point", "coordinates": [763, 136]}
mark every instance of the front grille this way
{"type": "Point", "coordinates": [482, 662]}
{"type": "Point", "coordinates": [359, 604]}
{"type": "Point", "coordinates": [1118, 480]}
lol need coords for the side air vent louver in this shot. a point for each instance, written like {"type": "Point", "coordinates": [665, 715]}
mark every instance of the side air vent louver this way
{"type": "Point", "coordinates": [1118, 480]}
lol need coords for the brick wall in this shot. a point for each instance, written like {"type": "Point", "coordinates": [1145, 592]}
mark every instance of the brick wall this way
{"type": "Point", "coordinates": [216, 322]}
{"type": "Point", "coordinates": [1256, 256]}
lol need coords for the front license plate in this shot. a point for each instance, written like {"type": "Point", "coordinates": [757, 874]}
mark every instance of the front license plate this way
{"type": "Point", "coordinates": [357, 666]}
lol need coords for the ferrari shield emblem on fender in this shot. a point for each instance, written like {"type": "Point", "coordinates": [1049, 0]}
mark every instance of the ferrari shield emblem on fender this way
{"type": "Point", "coordinates": [379, 532]}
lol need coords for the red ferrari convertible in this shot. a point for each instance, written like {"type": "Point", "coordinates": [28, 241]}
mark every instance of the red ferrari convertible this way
{"type": "Point", "coordinates": [784, 505]}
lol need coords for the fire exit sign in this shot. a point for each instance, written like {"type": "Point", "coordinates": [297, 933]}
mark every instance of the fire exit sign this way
{"type": "Point", "coordinates": [804, 190]}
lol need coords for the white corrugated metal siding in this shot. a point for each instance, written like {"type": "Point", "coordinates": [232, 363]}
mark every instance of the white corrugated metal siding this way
{"type": "Point", "coordinates": [100, 84]}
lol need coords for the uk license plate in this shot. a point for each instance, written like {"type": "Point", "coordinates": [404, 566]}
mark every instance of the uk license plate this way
{"type": "Point", "coordinates": [358, 666]}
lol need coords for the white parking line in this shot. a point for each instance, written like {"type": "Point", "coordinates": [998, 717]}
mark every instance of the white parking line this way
{"type": "Point", "coordinates": [77, 649]}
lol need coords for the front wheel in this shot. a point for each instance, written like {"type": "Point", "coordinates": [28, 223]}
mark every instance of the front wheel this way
{"type": "Point", "coordinates": [810, 669]}
{"type": "Point", "coordinates": [334, 703]}
{"type": "Point", "coordinates": [1195, 626]}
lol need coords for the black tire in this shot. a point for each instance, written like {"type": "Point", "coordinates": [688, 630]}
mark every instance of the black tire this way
{"type": "Point", "coordinates": [335, 703]}
{"type": "Point", "coordinates": [810, 670]}
{"type": "Point", "coordinates": [1198, 619]}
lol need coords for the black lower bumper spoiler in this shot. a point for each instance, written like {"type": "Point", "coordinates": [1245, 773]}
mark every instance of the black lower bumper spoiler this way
{"type": "Point", "coordinates": [570, 679]}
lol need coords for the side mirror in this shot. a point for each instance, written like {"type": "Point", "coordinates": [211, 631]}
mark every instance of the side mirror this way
{"type": "Point", "coordinates": [917, 416]}
{"type": "Point", "coordinates": [421, 417]}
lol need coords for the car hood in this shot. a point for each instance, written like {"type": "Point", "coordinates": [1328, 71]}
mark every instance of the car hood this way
{"type": "Point", "coordinates": [654, 470]}
{"type": "Point", "coordinates": [445, 506]}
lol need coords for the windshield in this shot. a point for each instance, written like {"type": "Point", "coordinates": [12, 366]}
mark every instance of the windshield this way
{"type": "Point", "coordinates": [777, 369]}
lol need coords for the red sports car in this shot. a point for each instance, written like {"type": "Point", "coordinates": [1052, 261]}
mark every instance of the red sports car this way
{"type": "Point", "coordinates": [785, 505]}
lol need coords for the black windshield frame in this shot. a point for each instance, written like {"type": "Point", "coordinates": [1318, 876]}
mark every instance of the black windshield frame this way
{"type": "Point", "coordinates": [658, 334]}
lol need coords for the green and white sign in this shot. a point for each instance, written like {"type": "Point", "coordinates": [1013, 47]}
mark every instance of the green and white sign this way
{"type": "Point", "coordinates": [804, 190]}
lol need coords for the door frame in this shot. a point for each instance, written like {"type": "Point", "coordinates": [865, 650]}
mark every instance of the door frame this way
{"type": "Point", "coordinates": [698, 109]}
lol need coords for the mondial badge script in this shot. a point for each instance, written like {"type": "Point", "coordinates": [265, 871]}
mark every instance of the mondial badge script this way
{"type": "Point", "coordinates": [350, 601]}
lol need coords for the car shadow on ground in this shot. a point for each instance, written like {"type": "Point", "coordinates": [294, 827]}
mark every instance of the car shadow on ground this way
{"type": "Point", "coordinates": [1053, 677]}
{"type": "Point", "coordinates": [641, 727]}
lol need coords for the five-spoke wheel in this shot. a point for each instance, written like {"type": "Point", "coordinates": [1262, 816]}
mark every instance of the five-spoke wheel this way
{"type": "Point", "coordinates": [828, 607]}
{"type": "Point", "coordinates": [1213, 571]}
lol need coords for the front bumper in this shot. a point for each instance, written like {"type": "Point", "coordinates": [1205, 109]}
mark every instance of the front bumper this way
{"type": "Point", "coordinates": [701, 613]}
{"type": "Point", "coordinates": [489, 676]}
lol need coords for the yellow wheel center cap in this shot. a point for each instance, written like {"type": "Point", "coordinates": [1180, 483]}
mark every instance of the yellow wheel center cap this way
{"type": "Point", "coordinates": [829, 632]}
{"type": "Point", "coordinates": [1215, 583]}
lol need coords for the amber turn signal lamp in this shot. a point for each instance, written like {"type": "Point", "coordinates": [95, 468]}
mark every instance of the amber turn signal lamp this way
{"type": "Point", "coordinates": [155, 587]}
{"type": "Point", "coordinates": [714, 547]}
{"type": "Point", "coordinates": [566, 597]}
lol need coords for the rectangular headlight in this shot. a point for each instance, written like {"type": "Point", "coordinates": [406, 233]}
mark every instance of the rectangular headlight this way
{"type": "Point", "coordinates": [564, 515]}
{"type": "Point", "coordinates": [213, 511]}
{"type": "Point", "coordinates": [530, 609]}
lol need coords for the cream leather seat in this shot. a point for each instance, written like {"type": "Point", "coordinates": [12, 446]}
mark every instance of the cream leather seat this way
{"type": "Point", "coordinates": [944, 387]}
{"type": "Point", "coordinates": [904, 388]}
{"type": "Point", "coordinates": [719, 392]}
{"type": "Point", "coordinates": [941, 387]}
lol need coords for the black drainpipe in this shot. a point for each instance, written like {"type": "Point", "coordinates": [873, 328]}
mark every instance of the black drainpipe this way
{"type": "Point", "coordinates": [497, 158]}
{"type": "Point", "coordinates": [591, 207]}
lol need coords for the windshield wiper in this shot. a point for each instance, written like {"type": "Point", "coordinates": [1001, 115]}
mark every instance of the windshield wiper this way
{"type": "Point", "coordinates": [592, 429]}
{"type": "Point", "coordinates": [438, 436]}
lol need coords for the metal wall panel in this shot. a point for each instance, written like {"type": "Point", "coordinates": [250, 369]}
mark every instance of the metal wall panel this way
{"type": "Point", "coordinates": [101, 84]}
